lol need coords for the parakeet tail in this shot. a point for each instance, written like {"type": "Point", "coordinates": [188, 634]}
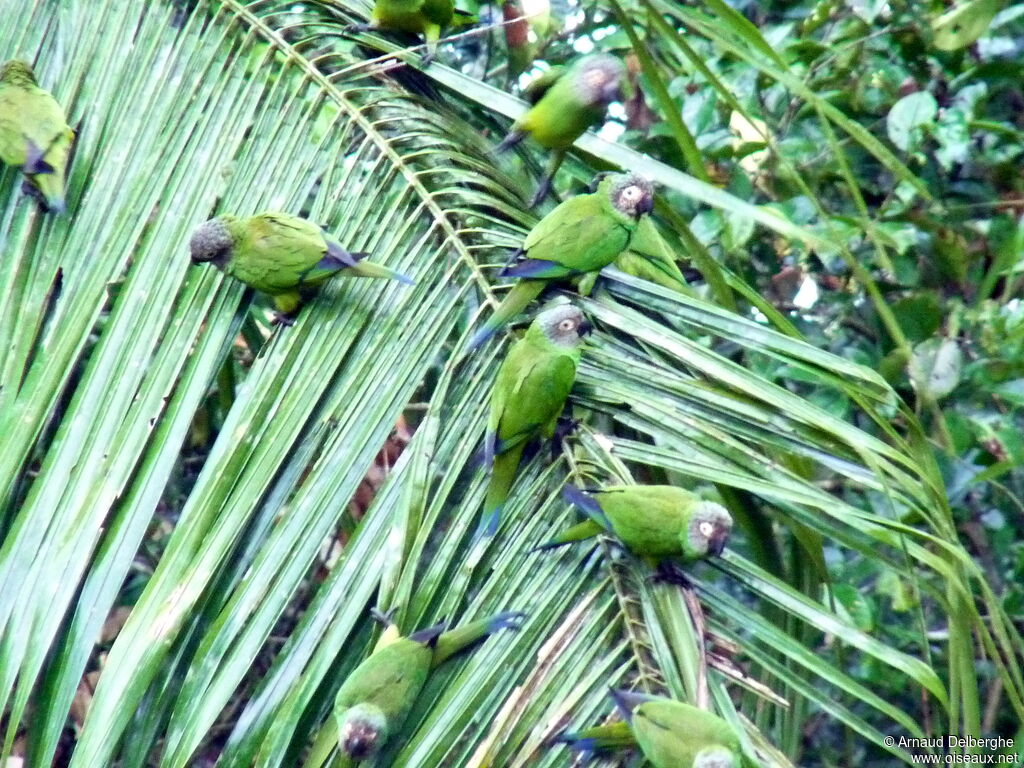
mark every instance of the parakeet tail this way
{"type": "Point", "coordinates": [364, 268]}
{"type": "Point", "coordinates": [600, 737]}
{"type": "Point", "coordinates": [457, 639]}
{"type": "Point", "coordinates": [515, 301]}
{"type": "Point", "coordinates": [503, 474]}
{"type": "Point", "coordinates": [580, 532]}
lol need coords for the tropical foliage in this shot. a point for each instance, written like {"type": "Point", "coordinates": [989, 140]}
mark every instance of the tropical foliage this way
{"type": "Point", "coordinates": [198, 510]}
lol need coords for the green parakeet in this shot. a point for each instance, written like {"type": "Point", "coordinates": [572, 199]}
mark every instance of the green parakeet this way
{"type": "Point", "coordinates": [654, 522]}
{"type": "Point", "coordinates": [283, 256]}
{"type": "Point", "coordinates": [34, 134]}
{"type": "Point", "coordinates": [417, 17]}
{"type": "Point", "coordinates": [372, 704]}
{"type": "Point", "coordinates": [566, 102]}
{"type": "Point", "coordinates": [649, 257]}
{"type": "Point", "coordinates": [670, 734]}
{"type": "Point", "coordinates": [584, 234]}
{"type": "Point", "coordinates": [529, 395]}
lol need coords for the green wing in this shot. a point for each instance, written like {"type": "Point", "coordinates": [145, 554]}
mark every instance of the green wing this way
{"type": "Point", "coordinates": [647, 518]}
{"type": "Point", "coordinates": [530, 393]}
{"type": "Point", "coordinates": [276, 253]}
{"type": "Point", "coordinates": [439, 11]}
{"type": "Point", "coordinates": [535, 91]}
{"type": "Point", "coordinates": [29, 114]}
{"type": "Point", "coordinates": [579, 235]}
{"type": "Point", "coordinates": [390, 679]}
{"type": "Point", "coordinates": [671, 733]}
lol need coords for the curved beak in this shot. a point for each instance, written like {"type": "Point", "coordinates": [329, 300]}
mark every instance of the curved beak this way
{"type": "Point", "coordinates": [612, 91]}
{"type": "Point", "coordinates": [717, 542]}
{"type": "Point", "coordinates": [645, 206]}
{"type": "Point", "coordinates": [585, 328]}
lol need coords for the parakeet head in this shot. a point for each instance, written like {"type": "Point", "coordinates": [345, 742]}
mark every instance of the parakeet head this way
{"type": "Point", "coordinates": [563, 325]}
{"type": "Point", "coordinates": [708, 531]}
{"type": "Point", "coordinates": [212, 241]}
{"type": "Point", "coordinates": [362, 730]}
{"type": "Point", "coordinates": [715, 757]}
{"type": "Point", "coordinates": [15, 71]}
{"type": "Point", "coordinates": [600, 79]}
{"type": "Point", "coordinates": [630, 193]}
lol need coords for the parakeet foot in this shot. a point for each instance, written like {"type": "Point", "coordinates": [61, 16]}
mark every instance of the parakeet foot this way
{"type": "Point", "coordinates": [543, 189]}
{"type": "Point", "coordinates": [353, 29]}
{"type": "Point", "coordinates": [385, 618]}
{"type": "Point", "coordinates": [428, 59]}
{"type": "Point", "coordinates": [30, 190]}
{"type": "Point", "coordinates": [670, 573]}
{"type": "Point", "coordinates": [566, 426]}
{"type": "Point", "coordinates": [283, 319]}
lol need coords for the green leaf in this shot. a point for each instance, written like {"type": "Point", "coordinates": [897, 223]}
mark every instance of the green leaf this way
{"type": "Point", "coordinates": [935, 367]}
{"type": "Point", "coordinates": [908, 116]}
{"type": "Point", "coordinates": [964, 23]}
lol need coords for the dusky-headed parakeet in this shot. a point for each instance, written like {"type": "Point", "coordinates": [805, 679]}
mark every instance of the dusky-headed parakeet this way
{"type": "Point", "coordinates": [670, 734]}
{"type": "Point", "coordinates": [417, 17]}
{"type": "Point", "coordinates": [584, 234]}
{"type": "Point", "coordinates": [529, 395]}
{"type": "Point", "coordinates": [373, 703]}
{"type": "Point", "coordinates": [649, 257]}
{"type": "Point", "coordinates": [657, 523]}
{"type": "Point", "coordinates": [566, 102]}
{"type": "Point", "coordinates": [280, 255]}
{"type": "Point", "coordinates": [34, 134]}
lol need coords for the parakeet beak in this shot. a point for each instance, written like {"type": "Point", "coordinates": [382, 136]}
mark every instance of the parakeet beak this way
{"type": "Point", "coordinates": [646, 205]}
{"type": "Point", "coordinates": [612, 91]}
{"type": "Point", "coordinates": [585, 328]}
{"type": "Point", "coordinates": [717, 542]}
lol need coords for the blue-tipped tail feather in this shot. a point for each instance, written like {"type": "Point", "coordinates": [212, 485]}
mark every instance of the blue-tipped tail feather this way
{"type": "Point", "coordinates": [507, 620]}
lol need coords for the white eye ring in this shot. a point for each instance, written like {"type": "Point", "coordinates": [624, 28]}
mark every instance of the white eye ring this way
{"type": "Point", "coordinates": [567, 325]}
{"type": "Point", "coordinates": [706, 529]}
{"type": "Point", "coordinates": [632, 193]}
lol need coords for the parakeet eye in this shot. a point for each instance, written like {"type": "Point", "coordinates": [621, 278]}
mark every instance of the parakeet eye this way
{"type": "Point", "coordinates": [706, 529]}
{"type": "Point", "coordinates": [567, 325]}
{"type": "Point", "coordinates": [632, 194]}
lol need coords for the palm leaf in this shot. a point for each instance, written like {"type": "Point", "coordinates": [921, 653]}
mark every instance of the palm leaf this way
{"type": "Point", "coordinates": [112, 342]}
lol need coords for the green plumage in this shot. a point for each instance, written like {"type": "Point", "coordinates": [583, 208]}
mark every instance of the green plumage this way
{"type": "Point", "coordinates": [583, 234]}
{"type": "Point", "coordinates": [670, 734]}
{"type": "Point", "coordinates": [34, 134]}
{"type": "Point", "coordinates": [529, 395]}
{"type": "Point", "coordinates": [372, 704]}
{"type": "Point", "coordinates": [280, 255]}
{"type": "Point", "coordinates": [648, 257]}
{"type": "Point", "coordinates": [654, 522]}
{"type": "Point", "coordinates": [418, 17]}
{"type": "Point", "coordinates": [566, 102]}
